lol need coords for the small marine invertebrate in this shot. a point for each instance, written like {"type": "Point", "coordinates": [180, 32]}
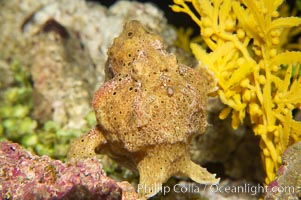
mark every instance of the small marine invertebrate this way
{"type": "Point", "coordinates": [27, 176]}
{"type": "Point", "coordinates": [255, 76]}
{"type": "Point", "coordinates": [148, 111]}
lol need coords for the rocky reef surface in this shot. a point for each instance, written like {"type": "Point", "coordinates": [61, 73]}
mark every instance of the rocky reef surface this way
{"type": "Point", "coordinates": [287, 184]}
{"type": "Point", "coordinates": [27, 176]}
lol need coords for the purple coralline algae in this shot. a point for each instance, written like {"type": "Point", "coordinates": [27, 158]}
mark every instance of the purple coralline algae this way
{"type": "Point", "coordinates": [26, 176]}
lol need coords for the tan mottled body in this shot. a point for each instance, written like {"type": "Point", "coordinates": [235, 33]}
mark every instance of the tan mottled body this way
{"type": "Point", "coordinates": [148, 110]}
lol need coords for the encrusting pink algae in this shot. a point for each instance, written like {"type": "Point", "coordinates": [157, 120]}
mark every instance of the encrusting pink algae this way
{"type": "Point", "coordinates": [24, 176]}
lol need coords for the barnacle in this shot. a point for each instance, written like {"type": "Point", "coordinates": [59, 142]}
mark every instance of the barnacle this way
{"type": "Point", "coordinates": [255, 76]}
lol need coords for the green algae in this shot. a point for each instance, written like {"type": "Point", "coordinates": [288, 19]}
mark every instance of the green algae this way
{"type": "Point", "coordinates": [17, 125]}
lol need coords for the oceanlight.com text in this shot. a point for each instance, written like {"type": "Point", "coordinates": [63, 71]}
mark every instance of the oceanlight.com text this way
{"type": "Point", "coordinates": [225, 189]}
{"type": "Point", "coordinates": [249, 189]}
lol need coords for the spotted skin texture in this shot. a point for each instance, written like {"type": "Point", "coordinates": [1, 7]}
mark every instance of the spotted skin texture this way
{"type": "Point", "coordinates": [147, 111]}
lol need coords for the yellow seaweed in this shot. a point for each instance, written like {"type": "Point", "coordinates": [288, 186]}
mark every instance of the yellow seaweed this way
{"type": "Point", "coordinates": [255, 75]}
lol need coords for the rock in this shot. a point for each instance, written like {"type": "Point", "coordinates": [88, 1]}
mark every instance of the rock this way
{"type": "Point", "coordinates": [229, 153]}
{"type": "Point", "coordinates": [27, 176]}
{"type": "Point", "coordinates": [287, 184]}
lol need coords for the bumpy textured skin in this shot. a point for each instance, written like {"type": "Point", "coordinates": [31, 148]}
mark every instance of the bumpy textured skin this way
{"type": "Point", "coordinates": [148, 110]}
